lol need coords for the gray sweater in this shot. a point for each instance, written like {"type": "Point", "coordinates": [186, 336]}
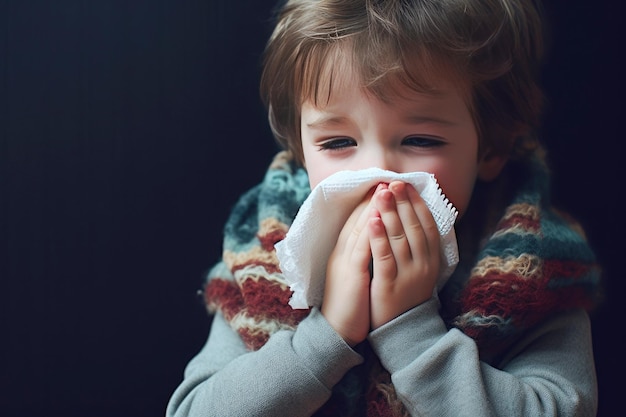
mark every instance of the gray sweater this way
{"type": "Point", "coordinates": [435, 371]}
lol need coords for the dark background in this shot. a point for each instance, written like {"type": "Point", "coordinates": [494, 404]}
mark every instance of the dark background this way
{"type": "Point", "coordinates": [127, 131]}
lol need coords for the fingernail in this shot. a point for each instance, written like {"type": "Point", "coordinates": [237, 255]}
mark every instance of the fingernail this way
{"type": "Point", "coordinates": [398, 186]}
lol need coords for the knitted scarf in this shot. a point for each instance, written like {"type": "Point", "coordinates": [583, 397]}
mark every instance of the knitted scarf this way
{"type": "Point", "coordinates": [534, 264]}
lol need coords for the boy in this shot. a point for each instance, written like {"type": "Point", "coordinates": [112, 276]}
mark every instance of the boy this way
{"type": "Point", "coordinates": [442, 87]}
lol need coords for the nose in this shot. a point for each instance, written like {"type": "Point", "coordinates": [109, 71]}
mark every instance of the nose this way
{"type": "Point", "coordinates": [383, 159]}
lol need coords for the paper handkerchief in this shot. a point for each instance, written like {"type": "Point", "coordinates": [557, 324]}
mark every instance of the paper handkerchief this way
{"type": "Point", "coordinates": [304, 253]}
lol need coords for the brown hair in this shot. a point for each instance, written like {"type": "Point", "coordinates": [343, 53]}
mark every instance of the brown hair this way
{"type": "Point", "coordinates": [493, 45]}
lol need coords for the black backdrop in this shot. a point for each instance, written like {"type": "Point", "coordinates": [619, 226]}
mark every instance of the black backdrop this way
{"type": "Point", "coordinates": [127, 131]}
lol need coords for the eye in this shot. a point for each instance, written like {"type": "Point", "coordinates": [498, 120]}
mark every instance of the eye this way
{"type": "Point", "coordinates": [423, 142]}
{"type": "Point", "coordinates": [337, 143]}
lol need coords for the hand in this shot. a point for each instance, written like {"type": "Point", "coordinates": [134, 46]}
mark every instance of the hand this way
{"type": "Point", "coordinates": [404, 242]}
{"type": "Point", "coordinates": [346, 293]}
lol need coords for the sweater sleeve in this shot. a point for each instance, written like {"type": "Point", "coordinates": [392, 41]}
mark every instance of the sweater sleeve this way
{"type": "Point", "coordinates": [292, 374]}
{"type": "Point", "coordinates": [438, 372]}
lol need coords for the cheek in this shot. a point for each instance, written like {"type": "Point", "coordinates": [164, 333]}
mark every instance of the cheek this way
{"type": "Point", "coordinates": [316, 168]}
{"type": "Point", "coordinates": [314, 178]}
{"type": "Point", "coordinates": [458, 174]}
{"type": "Point", "coordinates": [457, 187]}
{"type": "Point", "coordinates": [460, 199]}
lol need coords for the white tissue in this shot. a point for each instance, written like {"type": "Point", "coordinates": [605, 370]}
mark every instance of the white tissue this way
{"type": "Point", "coordinates": [304, 253]}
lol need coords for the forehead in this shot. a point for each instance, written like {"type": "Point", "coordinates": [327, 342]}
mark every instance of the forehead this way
{"type": "Point", "coordinates": [332, 69]}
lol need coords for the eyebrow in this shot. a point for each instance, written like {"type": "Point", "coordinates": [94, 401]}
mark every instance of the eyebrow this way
{"type": "Point", "coordinates": [334, 121]}
{"type": "Point", "coordinates": [327, 121]}
{"type": "Point", "coordinates": [415, 119]}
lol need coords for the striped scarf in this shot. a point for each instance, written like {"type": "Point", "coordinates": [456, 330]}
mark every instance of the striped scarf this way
{"type": "Point", "coordinates": [535, 263]}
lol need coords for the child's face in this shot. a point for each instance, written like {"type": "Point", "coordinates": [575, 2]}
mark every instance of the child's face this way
{"type": "Point", "coordinates": [414, 132]}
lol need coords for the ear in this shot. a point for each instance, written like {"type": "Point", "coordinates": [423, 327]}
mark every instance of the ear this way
{"type": "Point", "coordinates": [490, 166]}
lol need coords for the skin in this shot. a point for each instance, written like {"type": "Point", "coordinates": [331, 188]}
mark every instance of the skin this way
{"type": "Point", "coordinates": [392, 226]}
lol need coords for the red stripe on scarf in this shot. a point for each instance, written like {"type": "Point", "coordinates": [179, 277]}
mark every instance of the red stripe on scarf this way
{"type": "Point", "coordinates": [269, 239]}
{"type": "Point", "coordinates": [267, 299]}
{"type": "Point", "coordinates": [224, 295]}
{"type": "Point", "coordinates": [526, 300]}
{"type": "Point", "coordinates": [253, 340]}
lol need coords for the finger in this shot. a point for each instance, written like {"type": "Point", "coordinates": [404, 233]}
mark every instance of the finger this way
{"type": "Point", "coordinates": [430, 242]}
{"type": "Point", "coordinates": [411, 224]}
{"type": "Point", "coordinates": [352, 232]}
{"type": "Point", "coordinates": [357, 240]}
{"type": "Point", "coordinates": [386, 204]}
{"type": "Point", "coordinates": [384, 262]}
{"type": "Point", "coordinates": [354, 224]}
